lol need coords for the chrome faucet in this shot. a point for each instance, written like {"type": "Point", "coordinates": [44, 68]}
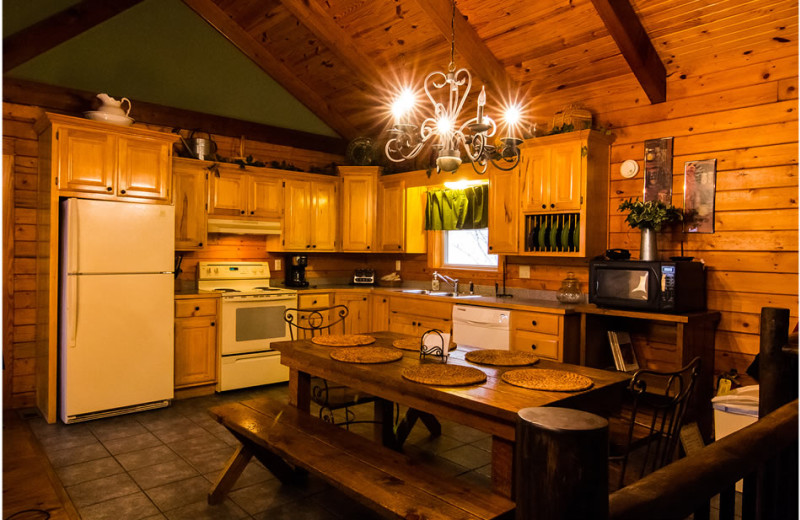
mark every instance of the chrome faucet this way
{"type": "Point", "coordinates": [446, 279]}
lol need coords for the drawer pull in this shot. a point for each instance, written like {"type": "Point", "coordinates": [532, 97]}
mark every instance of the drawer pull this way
{"type": "Point", "coordinates": [213, 323]}
{"type": "Point", "coordinates": [122, 191]}
{"type": "Point", "coordinates": [414, 323]}
{"type": "Point", "coordinates": [197, 308]}
{"type": "Point", "coordinates": [241, 211]}
{"type": "Point", "coordinates": [533, 322]}
{"type": "Point", "coordinates": [109, 188]}
{"type": "Point", "coordinates": [533, 347]}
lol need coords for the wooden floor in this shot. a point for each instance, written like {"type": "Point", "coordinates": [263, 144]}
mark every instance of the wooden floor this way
{"type": "Point", "coordinates": [29, 482]}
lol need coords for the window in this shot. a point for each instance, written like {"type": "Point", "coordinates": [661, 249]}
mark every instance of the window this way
{"type": "Point", "coordinates": [468, 248]}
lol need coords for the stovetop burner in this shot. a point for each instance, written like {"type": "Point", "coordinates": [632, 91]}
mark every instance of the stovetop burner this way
{"type": "Point", "coordinates": [225, 289]}
{"type": "Point", "coordinates": [266, 289]}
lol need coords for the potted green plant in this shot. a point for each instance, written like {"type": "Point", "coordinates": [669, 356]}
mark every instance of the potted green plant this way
{"type": "Point", "coordinates": [649, 217]}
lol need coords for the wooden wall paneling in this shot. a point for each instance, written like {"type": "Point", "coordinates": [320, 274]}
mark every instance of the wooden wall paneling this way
{"type": "Point", "coordinates": [8, 274]}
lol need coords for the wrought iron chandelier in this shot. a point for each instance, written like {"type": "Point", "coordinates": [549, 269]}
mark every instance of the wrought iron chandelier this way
{"type": "Point", "coordinates": [473, 136]}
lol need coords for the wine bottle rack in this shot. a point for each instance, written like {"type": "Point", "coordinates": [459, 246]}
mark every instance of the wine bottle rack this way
{"type": "Point", "coordinates": [553, 233]}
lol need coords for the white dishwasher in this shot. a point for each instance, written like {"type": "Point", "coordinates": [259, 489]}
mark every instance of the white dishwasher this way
{"type": "Point", "coordinates": [481, 327]}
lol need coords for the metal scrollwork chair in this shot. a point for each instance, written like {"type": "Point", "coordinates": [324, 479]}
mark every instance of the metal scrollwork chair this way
{"type": "Point", "coordinates": [649, 436]}
{"type": "Point", "coordinates": [308, 323]}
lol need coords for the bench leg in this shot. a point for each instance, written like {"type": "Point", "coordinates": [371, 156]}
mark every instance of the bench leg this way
{"type": "Point", "coordinates": [431, 423]}
{"type": "Point", "coordinates": [229, 474]}
{"type": "Point", "coordinates": [408, 422]}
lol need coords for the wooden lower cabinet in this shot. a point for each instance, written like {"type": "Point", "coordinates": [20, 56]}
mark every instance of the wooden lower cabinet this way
{"type": "Point", "coordinates": [195, 342]}
{"type": "Point", "coordinates": [549, 336]}
{"type": "Point", "coordinates": [416, 316]}
{"type": "Point", "coordinates": [379, 312]}
{"type": "Point", "coordinates": [311, 301]}
{"type": "Point", "coordinates": [358, 317]}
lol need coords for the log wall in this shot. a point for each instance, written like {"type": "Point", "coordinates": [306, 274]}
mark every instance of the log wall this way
{"type": "Point", "coordinates": [740, 108]}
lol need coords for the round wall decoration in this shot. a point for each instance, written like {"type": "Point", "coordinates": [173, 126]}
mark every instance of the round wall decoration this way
{"type": "Point", "coordinates": [629, 168]}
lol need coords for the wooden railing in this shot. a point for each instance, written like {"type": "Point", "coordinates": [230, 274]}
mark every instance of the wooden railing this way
{"type": "Point", "coordinates": [764, 454]}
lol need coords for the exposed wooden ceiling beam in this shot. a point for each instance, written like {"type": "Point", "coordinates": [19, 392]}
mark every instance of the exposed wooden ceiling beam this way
{"type": "Point", "coordinates": [251, 48]}
{"type": "Point", "coordinates": [58, 28]}
{"type": "Point", "coordinates": [336, 39]}
{"type": "Point", "coordinates": [468, 44]}
{"type": "Point", "coordinates": [75, 102]}
{"type": "Point", "coordinates": [637, 49]}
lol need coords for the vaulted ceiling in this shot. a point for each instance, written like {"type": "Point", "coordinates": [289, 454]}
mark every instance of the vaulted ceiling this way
{"type": "Point", "coordinates": [343, 59]}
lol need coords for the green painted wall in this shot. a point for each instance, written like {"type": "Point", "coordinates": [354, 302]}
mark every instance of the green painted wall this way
{"type": "Point", "coordinates": [161, 52]}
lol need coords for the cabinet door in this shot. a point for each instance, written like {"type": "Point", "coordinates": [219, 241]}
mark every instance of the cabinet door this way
{"type": "Point", "coordinates": [565, 177]}
{"type": "Point", "coordinates": [227, 193]}
{"type": "Point", "coordinates": [503, 210]}
{"type": "Point", "coordinates": [266, 197]}
{"type": "Point", "coordinates": [416, 237]}
{"type": "Point", "coordinates": [86, 160]}
{"type": "Point", "coordinates": [297, 217]}
{"type": "Point", "coordinates": [379, 312]}
{"type": "Point", "coordinates": [145, 167]}
{"type": "Point", "coordinates": [358, 212]}
{"type": "Point", "coordinates": [358, 317]}
{"type": "Point", "coordinates": [323, 216]}
{"type": "Point", "coordinates": [534, 179]}
{"type": "Point", "coordinates": [195, 351]}
{"type": "Point", "coordinates": [190, 208]}
{"type": "Point", "coordinates": [391, 216]}
{"type": "Point", "coordinates": [403, 323]}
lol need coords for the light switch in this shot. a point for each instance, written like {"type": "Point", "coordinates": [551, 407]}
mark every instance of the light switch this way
{"type": "Point", "coordinates": [524, 271]}
{"type": "Point", "coordinates": [397, 265]}
{"type": "Point", "coordinates": [277, 264]}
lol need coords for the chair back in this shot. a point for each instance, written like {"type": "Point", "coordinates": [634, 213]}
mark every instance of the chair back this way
{"type": "Point", "coordinates": [659, 405]}
{"type": "Point", "coordinates": [307, 323]}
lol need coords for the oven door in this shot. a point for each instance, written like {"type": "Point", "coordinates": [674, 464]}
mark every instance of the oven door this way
{"type": "Point", "coordinates": [251, 324]}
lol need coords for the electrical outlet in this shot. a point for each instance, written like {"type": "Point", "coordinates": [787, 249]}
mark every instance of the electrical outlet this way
{"type": "Point", "coordinates": [524, 271]}
{"type": "Point", "coordinates": [277, 264]}
{"type": "Point", "coordinates": [397, 265]}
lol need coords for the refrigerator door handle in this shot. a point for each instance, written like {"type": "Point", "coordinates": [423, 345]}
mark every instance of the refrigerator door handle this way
{"type": "Point", "coordinates": [72, 309]}
{"type": "Point", "coordinates": [74, 233]}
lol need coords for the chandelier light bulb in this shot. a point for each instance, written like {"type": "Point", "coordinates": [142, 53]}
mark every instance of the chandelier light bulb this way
{"type": "Point", "coordinates": [445, 125]}
{"type": "Point", "coordinates": [513, 115]}
{"type": "Point", "coordinates": [403, 105]}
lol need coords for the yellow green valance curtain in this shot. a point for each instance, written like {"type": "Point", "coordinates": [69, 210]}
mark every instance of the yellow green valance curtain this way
{"type": "Point", "coordinates": [458, 209]}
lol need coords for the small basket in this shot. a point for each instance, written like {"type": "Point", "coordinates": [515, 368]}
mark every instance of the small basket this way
{"type": "Point", "coordinates": [579, 118]}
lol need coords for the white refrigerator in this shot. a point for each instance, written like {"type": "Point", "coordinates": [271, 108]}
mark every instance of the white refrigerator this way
{"type": "Point", "coordinates": [116, 317]}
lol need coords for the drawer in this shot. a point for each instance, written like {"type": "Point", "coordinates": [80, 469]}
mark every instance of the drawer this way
{"type": "Point", "coordinates": [542, 345]}
{"type": "Point", "coordinates": [535, 322]}
{"type": "Point", "coordinates": [199, 307]}
{"type": "Point", "coordinates": [313, 301]}
{"type": "Point", "coordinates": [421, 307]}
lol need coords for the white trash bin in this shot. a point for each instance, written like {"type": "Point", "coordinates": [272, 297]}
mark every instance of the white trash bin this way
{"type": "Point", "coordinates": [734, 411]}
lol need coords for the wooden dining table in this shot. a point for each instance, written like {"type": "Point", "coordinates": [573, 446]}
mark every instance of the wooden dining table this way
{"type": "Point", "coordinates": [491, 407]}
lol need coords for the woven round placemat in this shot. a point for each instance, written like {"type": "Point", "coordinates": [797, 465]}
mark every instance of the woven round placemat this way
{"type": "Point", "coordinates": [501, 358]}
{"type": "Point", "coordinates": [444, 375]}
{"type": "Point", "coordinates": [548, 380]}
{"type": "Point", "coordinates": [366, 355]}
{"type": "Point", "coordinates": [343, 340]}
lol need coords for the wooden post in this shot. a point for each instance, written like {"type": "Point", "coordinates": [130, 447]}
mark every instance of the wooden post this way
{"type": "Point", "coordinates": [561, 464]}
{"type": "Point", "coordinates": [776, 486]}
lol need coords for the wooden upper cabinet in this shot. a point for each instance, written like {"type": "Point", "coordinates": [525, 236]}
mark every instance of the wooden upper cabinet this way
{"type": "Point", "coordinates": [566, 176]}
{"type": "Point", "coordinates": [144, 168]}
{"type": "Point", "coordinates": [265, 196]}
{"type": "Point", "coordinates": [391, 216]}
{"type": "Point", "coordinates": [92, 159]}
{"type": "Point", "coordinates": [190, 204]}
{"type": "Point", "coordinates": [552, 175]}
{"type": "Point", "coordinates": [310, 218]}
{"type": "Point", "coordinates": [359, 186]}
{"type": "Point", "coordinates": [503, 210]}
{"type": "Point", "coordinates": [227, 193]}
{"type": "Point", "coordinates": [234, 193]}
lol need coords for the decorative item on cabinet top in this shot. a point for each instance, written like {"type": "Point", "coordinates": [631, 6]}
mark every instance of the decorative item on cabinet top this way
{"type": "Point", "coordinates": [244, 227]}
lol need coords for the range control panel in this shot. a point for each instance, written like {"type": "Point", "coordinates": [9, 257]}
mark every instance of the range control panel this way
{"type": "Point", "coordinates": [232, 270]}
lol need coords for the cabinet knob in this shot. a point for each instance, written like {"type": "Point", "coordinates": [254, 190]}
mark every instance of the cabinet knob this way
{"type": "Point", "coordinates": [199, 244]}
{"type": "Point", "coordinates": [490, 248]}
{"type": "Point", "coordinates": [367, 247]}
{"type": "Point", "coordinates": [552, 205]}
{"type": "Point", "coordinates": [242, 212]}
{"type": "Point", "coordinates": [414, 323]}
{"type": "Point", "coordinates": [364, 298]}
{"type": "Point", "coordinates": [109, 189]}
{"type": "Point", "coordinates": [122, 191]}
{"type": "Point", "coordinates": [544, 206]}
{"type": "Point", "coordinates": [384, 300]}
{"type": "Point", "coordinates": [533, 322]}
{"type": "Point", "coordinates": [308, 245]}
{"type": "Point", "coordinates": [533, 347]}
{"type": "Point", "coordinates": [314, 303]}
{"type": "Point", "coordinates": [315, 245]}
{"type": "Point", "coordinates": [252, 212]}
{"type": "Point", "coordinates": [213, 323]}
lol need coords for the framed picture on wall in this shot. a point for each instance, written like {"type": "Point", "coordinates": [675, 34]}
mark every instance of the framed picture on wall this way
{"type": "Point", "coordinates": [699, 192]}
{"type": "Point", "coordinates": [658, 170]}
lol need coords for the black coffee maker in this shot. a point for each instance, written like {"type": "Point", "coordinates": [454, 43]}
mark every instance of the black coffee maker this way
{"type": "Point", "coordinates": [296, 271]}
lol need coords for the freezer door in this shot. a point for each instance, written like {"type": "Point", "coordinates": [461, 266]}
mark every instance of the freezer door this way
{"type": "Point", "coordinates": [117, 237]}
{"type": "Point", "coordinates": [116, 341]}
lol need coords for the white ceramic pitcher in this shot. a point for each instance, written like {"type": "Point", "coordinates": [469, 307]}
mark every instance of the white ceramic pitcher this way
{"type": "Point", "coordinates": [112, 106]}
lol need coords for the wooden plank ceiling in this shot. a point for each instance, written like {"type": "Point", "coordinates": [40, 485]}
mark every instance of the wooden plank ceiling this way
{"type": "Point", "coordinates": [344, 58]}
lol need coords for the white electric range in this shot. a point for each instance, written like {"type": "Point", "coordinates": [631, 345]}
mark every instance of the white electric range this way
{"type": "Point", "coordinates": [252, 317]}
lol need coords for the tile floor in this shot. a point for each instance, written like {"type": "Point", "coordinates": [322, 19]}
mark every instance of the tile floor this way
{"type": "Point", "coordinates": [161, 463]}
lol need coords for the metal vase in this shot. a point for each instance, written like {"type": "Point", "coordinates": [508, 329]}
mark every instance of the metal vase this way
{"type": "Point", "coordinates": [648, 248]}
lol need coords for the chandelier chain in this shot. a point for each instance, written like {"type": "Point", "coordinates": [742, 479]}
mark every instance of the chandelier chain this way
{"type": "Point", "coordinates": [453, 39]}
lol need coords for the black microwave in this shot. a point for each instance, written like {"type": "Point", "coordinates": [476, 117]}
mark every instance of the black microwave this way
{"type": "Point", "coordinates": [649, 286]}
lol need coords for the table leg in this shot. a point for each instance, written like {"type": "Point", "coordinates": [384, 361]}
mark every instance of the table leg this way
{"type": "Point", "coordinates": [300, 389]}
{"type": "Point", "coordinates": [229, 474]}
{"type": "Point", "coordinates": [384, 422]}
{"type": "Point", "coordinates": [503, 467]}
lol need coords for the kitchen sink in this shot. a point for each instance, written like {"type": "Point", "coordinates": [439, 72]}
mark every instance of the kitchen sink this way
{"type": "Point", "coordinates": [415, 291]}
{"type": "Point", "coordinates": [438, 293]}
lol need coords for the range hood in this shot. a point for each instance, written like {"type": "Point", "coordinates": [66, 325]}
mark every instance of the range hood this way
{"type": "Point", "coordinates": [244, 227]}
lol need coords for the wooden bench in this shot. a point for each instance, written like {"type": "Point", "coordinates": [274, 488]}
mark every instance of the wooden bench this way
{"type": "Point", "coordinates": [290, 443]}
